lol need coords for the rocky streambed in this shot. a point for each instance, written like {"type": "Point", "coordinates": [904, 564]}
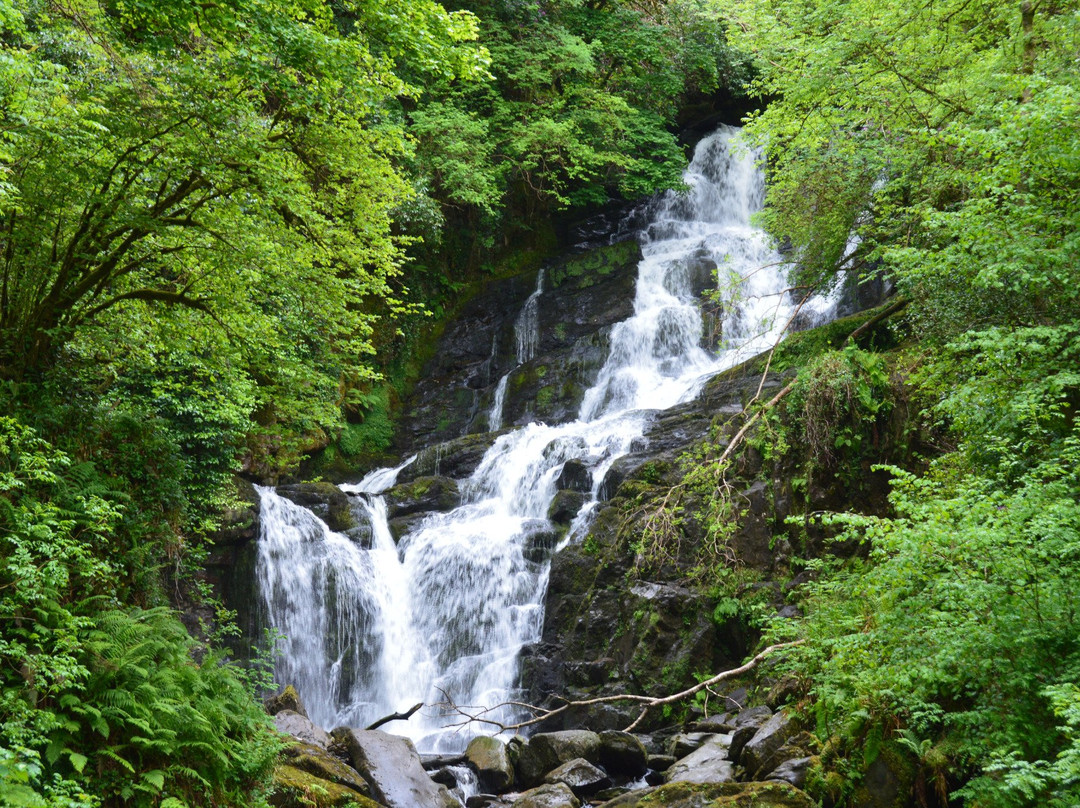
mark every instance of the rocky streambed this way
{"type": "Point", "coordinates": [748, 757]}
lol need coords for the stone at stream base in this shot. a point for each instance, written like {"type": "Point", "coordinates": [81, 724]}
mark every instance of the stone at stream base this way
{"type": "Point", "coordinates": [583, 778]}
{"type": "Point", "coordinates": [557, 795]}
{"type": "Point", "coordinates": [287, 699]}
{"type": "Point", "coordinates": [488, 756]}
{"type": "Point", "coordinates": [707, 764]}
{"type": "Point", "coordinates": [300, 727]}
{"type": "Point", "coordinates": [320, 763]}
{"type": "Point", "coordinates": [622, 753]}
{"type": "Point", "coordinates": [296, 788]}
{"type": "Point", "coordinates": [392, 767]}
{"type": "Point", "coordinates": [759, 751]}
{"type": "Point", "coordinates": [793, 771]}
{"type": "Point", "coordinates": [545, 751]}
{"type": "Point", "coordinates": [715, 795]}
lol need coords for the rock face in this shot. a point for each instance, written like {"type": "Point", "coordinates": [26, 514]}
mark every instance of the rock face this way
{"type": "Point", "coordinates": [584, 294]}
{"type": "Point", "coordinates": [392, 767]}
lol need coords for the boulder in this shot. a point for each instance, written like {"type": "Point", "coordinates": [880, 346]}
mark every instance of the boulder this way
{"type": "Point", "coordinates": [392, 767]}
{"type": "Point", "coordinates": [489, 757]}
{"type": "Point", "coordinates": [317, 761]}
{"type": "Point", "coordinates": [545, 751]}
{"type": "Point", "coordinates": [759, 750]}
{"type": "Point", "coordinates": [681, 745]}
{"type": "Point", "coordinates": [288, 722]}
{"type": "Point", "coordinates": [792, 771]}
{"type": "Point", "coordinates": [422, 495]}
{"type": "Point", "coordinates": [296, 788]}
{"type": "Point", "coordinates": [575, 476]}
{"type": "Point", "coordinates": [584, 778]}
{"type": "Point", "coordinates": [552, 795]}
{"type": "Point", "coordinates": [287, 699]}
{"type": "Point", "coordinates": [708, 764]}
{"type": "Point", "coordinates": [747, 723]}
{"type": "Point", "coordinates": [715, 795]}
{"type": "Point", "coordinates": [565, 506]}
{"type": "Point", "coordinates": [622, 753]}
{"type": "Point", "coordinates": [723, 723]}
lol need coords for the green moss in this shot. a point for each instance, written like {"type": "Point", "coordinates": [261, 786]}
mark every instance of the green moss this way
{"type": "Point", "coordinates": [295, 788]}
{"type": "Point", "coordinates": [726, 795]}
{"type": "Point", "coordinates": [586, 269]}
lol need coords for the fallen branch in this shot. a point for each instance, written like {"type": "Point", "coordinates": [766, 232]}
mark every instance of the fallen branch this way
{"type": "Point", "coordinates": [541, 714]}
{"type": "Point", "coordinates": [386, 719]}
{"type": "Point", "coordinates": [896, 306]}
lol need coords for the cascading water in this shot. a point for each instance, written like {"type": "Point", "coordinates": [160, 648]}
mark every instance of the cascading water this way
{"type": "Point", "coordinates": [444, 614]}
{"type": "Point", "coordinates": [526, 339]}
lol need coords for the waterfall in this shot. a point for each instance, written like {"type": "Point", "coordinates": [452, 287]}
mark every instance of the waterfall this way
{"type": "Point", "coordinates": [445, 612]}
{"type": "Point", "coordinates": [527, 340]}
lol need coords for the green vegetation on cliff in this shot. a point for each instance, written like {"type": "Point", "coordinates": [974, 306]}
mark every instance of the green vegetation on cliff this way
{"type": "Point", "coordinates": [945, 136]}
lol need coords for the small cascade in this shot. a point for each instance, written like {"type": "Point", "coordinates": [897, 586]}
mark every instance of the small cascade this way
{"type": "Point", "coordinates": [527, 340]}
{"type": "Point", "coordinates": [444, 614]}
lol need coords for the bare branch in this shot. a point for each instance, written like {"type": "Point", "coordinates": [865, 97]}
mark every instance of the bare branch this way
{"type": "Point", "coordinates": [541, 714]}
{"type": "Point", "coordinates": [386, 719]}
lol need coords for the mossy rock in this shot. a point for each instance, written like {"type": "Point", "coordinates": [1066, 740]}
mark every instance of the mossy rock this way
{"type": "Point", "coordinates": [888, 780]}
{"type": "Point", "coordinates": [582, 271]}
{"type": "Point", "coordinates": [295, 788]}
{"type": "Point", "coordinates": [325, 766]}
{"type": "Point", "coordinates": [723, 795]}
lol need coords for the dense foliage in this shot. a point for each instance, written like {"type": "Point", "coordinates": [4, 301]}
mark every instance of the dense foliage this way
{"type": "Point", "coordinates": [209, 220]}
{"type": "Point", "coordinates": [945, 136]}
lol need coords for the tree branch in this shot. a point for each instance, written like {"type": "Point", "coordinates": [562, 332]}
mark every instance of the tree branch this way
{"type": "Point", "coordinates": [541, 714]}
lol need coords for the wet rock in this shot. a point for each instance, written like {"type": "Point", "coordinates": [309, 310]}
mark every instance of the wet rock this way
{"type": "Point", "coordinates": [759, 750]}
{"type": "Point", "coordinates": [792, 771]}
{"type": "Point", "coordinates": [661, 763]}
{"type": "Point", "coordinates": [622, 753]}
{"type": "Point", "coordinates": [317, 761]}
{"type": "Point", "coordinates": [723, 723]}
{"type": "Point", "coordinates": [456, 458]}
{"type": "Point", "coordinates": [575, 476]}
{"type": "Point", "coordinates": [287, 699]}
{"type": "Point", "coordinates": [684, 743]}
{"type": "Point", "coordinates": [708, 764]}
{"type": "Point", "coordinates": [753, 716]}
{"type": "Point", "coordinates": [487, 801]}
{"type": "Point", "coordinates": [539, 540]}
{"type": "Point", "coordinates": [330, 504]}
{"type": "Point", "coordinates": [565, 506]}
{"type": "Point", "coordinates": [300, 727]}
{"type": "Point", "coordinates": [488, 756]}
{"type": "Point", "coordinates": [392, 767]}
{"type": "Point", "coordinates": [545, 751]}
{"type": "Point", "coordinates": [422, 495]}
{"type": "Point", "coordinates": [715, 795]}
{"type": "Point", "coordinates": [556, 795]}
{"type": "Point", "coordinates": [583, 778]}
